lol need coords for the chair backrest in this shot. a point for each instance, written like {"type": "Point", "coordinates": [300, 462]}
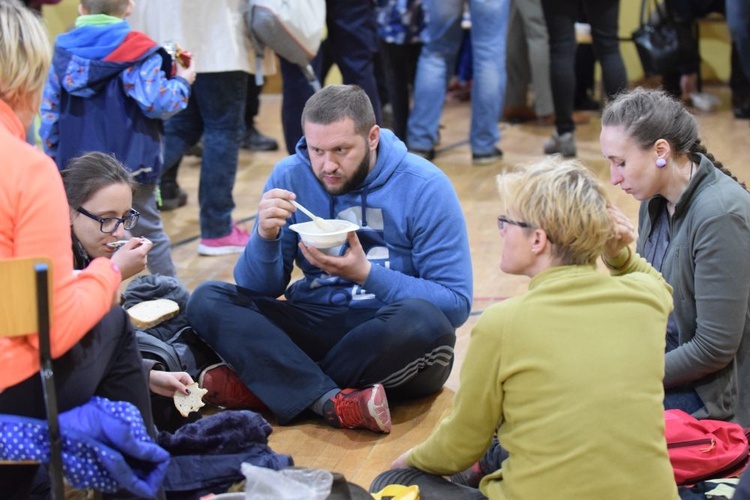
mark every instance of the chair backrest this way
{"type": "Point", "coordinates": [25, 309]}
{"type": "Point", "coordinates": [18, 295]}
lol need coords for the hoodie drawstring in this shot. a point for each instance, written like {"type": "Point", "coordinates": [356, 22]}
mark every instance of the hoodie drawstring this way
{"type": "Point", "coordinates": [364, 207]}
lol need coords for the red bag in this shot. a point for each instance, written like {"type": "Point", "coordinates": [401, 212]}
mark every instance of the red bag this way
{"type": "Point", "coordinates": [704, 449]}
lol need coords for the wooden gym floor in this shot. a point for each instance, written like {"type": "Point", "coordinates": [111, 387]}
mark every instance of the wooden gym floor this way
{"type": "Point", "coordinates": [361, 455]}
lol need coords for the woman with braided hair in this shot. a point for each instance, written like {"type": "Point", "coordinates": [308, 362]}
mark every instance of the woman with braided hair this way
{"type": "Point", "coordinates": [694, 226]}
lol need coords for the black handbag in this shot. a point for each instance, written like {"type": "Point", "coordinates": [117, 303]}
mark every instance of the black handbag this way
{"type": "Point", "coordinates": [665, 46]}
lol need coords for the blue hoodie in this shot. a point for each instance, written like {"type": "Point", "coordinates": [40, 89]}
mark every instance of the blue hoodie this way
{"type": "Point", "coordinates": [412, 230]}
{"type": "Point", "coordinates": [108, 90]}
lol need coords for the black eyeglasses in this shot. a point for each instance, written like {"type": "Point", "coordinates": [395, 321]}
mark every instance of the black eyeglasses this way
{"type": "Point", "coordinates": [110, 224]}
{"type": "Point", "coordinates": [503, 220]}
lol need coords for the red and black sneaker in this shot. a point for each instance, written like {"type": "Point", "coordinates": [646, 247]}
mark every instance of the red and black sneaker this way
{"type": "Point", "coordinates": [359, 409]}
{"type": "Point", "coordinates": [225, 389]}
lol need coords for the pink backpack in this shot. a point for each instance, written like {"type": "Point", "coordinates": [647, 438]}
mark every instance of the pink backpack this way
{"type": "Point", "coordinates": [704, 449]}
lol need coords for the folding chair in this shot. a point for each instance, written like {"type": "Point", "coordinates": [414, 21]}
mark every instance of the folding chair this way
{"type": "Point", "coordinates": [25, 299]}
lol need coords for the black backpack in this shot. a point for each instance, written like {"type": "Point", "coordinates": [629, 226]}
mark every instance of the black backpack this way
{"type": "Point", "coordinates": [183, 351]}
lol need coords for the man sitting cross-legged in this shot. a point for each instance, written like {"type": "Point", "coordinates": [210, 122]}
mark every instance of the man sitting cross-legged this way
{"type": "Point", "coordinates": [380, 315]}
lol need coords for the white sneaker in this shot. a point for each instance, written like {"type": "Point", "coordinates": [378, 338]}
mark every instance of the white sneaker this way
{"type": "Point", "coordinates": [704, 101]}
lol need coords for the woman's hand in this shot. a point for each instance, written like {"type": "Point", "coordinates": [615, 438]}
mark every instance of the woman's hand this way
{"type": "Point", "coordinates": [167, 383]}
{"type": "Point", "coordinates": [401, 462]}
{"type": "Point", "coordinates": [132, 257]}
{"type": "Point", "coordinates": [624, 233]}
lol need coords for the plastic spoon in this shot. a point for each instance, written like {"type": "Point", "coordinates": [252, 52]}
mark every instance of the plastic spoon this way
{"type": "Point", "coordinates": [321, 223]}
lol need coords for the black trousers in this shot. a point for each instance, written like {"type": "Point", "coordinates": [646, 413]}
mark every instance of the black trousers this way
{"type": "Point", "coordinates": [561, 15]}
{"type": "Point", "coordinates": [106, 363]}
{"type": "Point", "coordinates": [290, 354]}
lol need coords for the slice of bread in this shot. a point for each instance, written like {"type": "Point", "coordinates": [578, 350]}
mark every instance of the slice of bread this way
{"type": "Point", "coordinates": [150, 313]}
{"type": "Point", "coordinates": [188, 403]}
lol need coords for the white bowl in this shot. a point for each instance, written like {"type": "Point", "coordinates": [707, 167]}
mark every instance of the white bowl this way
{"type": "Point", "coordinates": [324, 240]}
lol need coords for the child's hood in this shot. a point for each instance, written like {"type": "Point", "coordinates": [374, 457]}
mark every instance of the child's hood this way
{"type": "Point", "coordinates": [89, 56]}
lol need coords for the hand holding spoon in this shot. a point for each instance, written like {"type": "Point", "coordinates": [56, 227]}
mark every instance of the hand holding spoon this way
{"type": "Point", "coordinates": [320, 223]}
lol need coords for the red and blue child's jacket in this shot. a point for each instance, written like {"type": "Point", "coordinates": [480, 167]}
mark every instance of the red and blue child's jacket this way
{"type": "Point", "coordinates": [109, 90]}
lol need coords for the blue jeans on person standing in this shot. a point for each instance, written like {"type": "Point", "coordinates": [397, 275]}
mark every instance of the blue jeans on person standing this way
{"type": "Point", "coordinates": [215, 111]}
{"type": "Point", "coordinates": [738, 20]}
{"type": "Point", "coordinates": [443, 33]}
{"type": "Point", "coordinates": [353, 43]}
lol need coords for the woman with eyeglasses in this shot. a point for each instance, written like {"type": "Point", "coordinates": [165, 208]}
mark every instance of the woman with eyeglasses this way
{"type": "Point", "coordinates": [569, 374]}
{"type": "Point", "coordinates": [100, 194]}
{"type": "Point", "coordinates": [93, 345]}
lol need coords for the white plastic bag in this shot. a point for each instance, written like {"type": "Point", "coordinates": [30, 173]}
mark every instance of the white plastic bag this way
{"type": "Point", "coordinates": [286, 484]}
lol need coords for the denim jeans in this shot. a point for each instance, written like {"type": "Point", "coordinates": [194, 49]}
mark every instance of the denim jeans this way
{"type": "Point", "coordinates": [489, 20]}
{"type": "Point", "coordinates": [561, 15]}
{"type": "Point", "coordinates": [215, 111]}
{"type": "Point", "coordinates": [738, 20]}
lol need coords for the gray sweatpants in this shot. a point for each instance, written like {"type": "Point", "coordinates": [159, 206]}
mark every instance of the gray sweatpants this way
{"type": "Point", "coordinates": [150, 226]}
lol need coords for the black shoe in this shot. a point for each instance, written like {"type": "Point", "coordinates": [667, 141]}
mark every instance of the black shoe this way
{"type": "Point", "coordinates": [428, 154]}
{"type": "Point", "coordinates": [171, 196]}
{"type": "Point", "coordinates": [255, 141]}
{"type": "Point", "coordinates": [195, 150]}
{"type": "Point", "coordinates": [586, 104]}
{"type": "Point", "coordinates": [487, 159]}
{"type": "Point", "coordinates": [742, 111]}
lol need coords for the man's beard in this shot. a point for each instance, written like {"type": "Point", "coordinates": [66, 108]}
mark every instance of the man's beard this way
{"type": "Point", "coordinates": [355, 181]}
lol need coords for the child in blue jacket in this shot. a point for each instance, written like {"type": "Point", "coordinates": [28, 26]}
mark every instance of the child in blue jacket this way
{"type": "Point", "coordinates": [109, 90]}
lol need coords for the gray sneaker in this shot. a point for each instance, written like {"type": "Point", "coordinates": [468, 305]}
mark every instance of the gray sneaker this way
{"type": "Point", "coordinates": [563, 144]}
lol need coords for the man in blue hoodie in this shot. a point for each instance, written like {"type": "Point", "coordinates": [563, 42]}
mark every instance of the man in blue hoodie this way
{"type": "Point", "coordinates": [378, 317]}
{"type": "Point", "coordinates": [109, 90]}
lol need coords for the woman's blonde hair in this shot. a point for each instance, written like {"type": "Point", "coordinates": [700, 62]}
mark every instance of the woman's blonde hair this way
{"type": "Point", "coordinates": [564, 199]}
{"type": "Point", "coordinates": [25, 54]}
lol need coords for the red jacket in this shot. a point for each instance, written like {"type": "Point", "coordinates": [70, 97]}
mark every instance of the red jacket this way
{"type": "Point", "coordinates": [35, 221]}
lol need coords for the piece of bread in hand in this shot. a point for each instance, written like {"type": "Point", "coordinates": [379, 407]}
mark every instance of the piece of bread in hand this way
{"type": "Point", "coordinates": [188, 403]}
{"type": "Point", "coordinates": [150, 313]}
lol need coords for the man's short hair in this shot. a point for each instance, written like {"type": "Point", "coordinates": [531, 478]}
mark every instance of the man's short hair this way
{"type": "Point", "coordinates": [114, 8]}
{"type": "Point", "coordinates": [335, 103]}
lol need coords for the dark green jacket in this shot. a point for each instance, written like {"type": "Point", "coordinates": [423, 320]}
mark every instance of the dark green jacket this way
{"type": "Point", "coordinates": [707, 265]}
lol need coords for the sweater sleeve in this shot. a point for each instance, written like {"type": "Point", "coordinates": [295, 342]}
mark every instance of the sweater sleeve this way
{"type": "Point", "coordinates": [158, 97]}
{"type": "Point", "coordinates": [464, 435]}
{"type": "Point", "coordinates": [50, 114]}
{"type": "Point", "coordinates": [628, 262]}
{"type": "Point", "coordinates": [722, 287]}
{"type": "Point", "coordinates": [265, 266]}
{"type": "Point", "coordinates": [43, 228]}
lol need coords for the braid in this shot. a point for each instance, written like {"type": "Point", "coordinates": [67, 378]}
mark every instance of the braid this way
{"type": "Point", "coordinates": [697, 147]}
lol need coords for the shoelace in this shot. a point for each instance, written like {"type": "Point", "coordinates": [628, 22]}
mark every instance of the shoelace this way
{"type": "Point", "coordinates": [348, 410]}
